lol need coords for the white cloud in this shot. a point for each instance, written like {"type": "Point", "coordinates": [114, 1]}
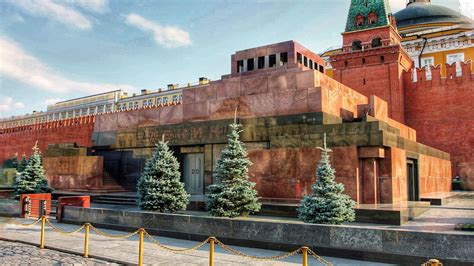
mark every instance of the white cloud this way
{"type": "Point", "coordinates": [8, 104]}
{"type": "Point", "coordinates": [20, 65]}
{"type": "Point", "coordinates": [97, 6]}
{"type": "Point", "coordinates": [167, 36]}
{"type": "Point", "coordinates": [52, 10]}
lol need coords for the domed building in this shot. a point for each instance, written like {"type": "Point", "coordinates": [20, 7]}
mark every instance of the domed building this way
{"type": "Point", "coordinates": [435, 35]}
{"type": "Point", "coordinates": [431, 35]}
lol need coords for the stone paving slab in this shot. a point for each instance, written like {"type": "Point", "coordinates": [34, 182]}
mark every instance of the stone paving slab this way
{"type": "Point", "coordinates": [126, 250]}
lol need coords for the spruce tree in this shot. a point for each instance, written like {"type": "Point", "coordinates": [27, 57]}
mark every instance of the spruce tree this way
{"type": "Point", "coordinates": [32, 178]}
{"type": "Point", "coordinates": [22, 164]}
{"type": "Point", "coordinates": [160, 187]}
{"type": "Point", "coordinates": [234, 195]}
{"type": "Point", "coordinates": [327, 204]}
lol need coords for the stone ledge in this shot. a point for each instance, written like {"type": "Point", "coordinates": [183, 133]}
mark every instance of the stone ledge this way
{"type": "Point", "coordinates": [343, 240]}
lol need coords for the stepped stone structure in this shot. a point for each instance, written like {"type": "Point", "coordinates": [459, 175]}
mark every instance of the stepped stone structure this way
{"type": "Point", "coordinates": [389, 134]}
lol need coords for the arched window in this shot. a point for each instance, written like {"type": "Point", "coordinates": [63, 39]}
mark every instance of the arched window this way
{"type": "Point", "coordinates": [376, 42]}
{"type": "Point", "coordinates": [356, 45]}
{"type": "Point", "coordinates": [372, 18]}
{"type": "Point", "coordinates": [359, 20]}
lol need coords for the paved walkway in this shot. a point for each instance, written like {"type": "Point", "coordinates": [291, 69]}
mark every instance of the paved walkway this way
{"type": "Point", "coordinates": [126, 250]}
{"type": "Point", "coordinates": [13, 253]}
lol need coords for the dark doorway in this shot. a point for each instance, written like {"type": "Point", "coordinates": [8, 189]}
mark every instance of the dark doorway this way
{"type": "Point", "coordinates": [412, 183]}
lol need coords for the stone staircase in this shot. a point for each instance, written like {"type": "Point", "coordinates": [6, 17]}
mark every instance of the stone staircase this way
{"type": "Point", "coordinates": [116, 199]}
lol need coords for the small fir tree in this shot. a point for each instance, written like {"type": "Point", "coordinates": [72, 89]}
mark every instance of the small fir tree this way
{"type": "Point", "coordinates": [327, 204]}
{"type": "Point", "coordinates": [234, 195]}
{"type": "Point", "coordinates": [32, 178]}
{"type": "Point", "coordinates": [160, 187]}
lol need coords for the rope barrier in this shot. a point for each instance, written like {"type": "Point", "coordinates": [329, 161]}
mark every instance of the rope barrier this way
{"type": "Point", "coordinates": [175, 250]}
{"type": "Point", "coordinates": [277, 257]}
{"type": "Point", "coordinates": [318, 258]}
{"type": "Point", "coordinates": [63, 232]}
{"type": "Point", "coordinates": [102, 233]}
{"type": "Point", "coordinates": [14, 221]}
{"type": "Point", "coordinates": [211, 240]}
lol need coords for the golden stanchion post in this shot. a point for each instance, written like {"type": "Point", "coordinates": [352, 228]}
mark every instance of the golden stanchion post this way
{"type": "Point", "coordinates": [212, 241]}
{"type": "Point", "coordinates": [140, 248]}
{"type": "Point", "coordinates": [86, 241]}
{"type": "Point", "coordinates": [304, 251]}
{"type": "Point", "coordinates": [43, 221]}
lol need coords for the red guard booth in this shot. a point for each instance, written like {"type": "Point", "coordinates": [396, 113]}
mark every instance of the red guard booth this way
{"type": "Point", "coordinates": [32, 204]}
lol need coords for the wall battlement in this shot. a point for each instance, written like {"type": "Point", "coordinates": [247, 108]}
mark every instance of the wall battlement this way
{"type": "Point", "coordinates": [456, 78]}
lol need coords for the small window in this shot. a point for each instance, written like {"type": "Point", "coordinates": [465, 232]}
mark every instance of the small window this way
{"type": "Point", "coordinates": [305, 61]}
{"type": "Point", "coordinates": [359, 20]}
{"type": "Point", "coordinates": [356, 45]}
{"type": "Point", "coordinates": [145, 103]}
{"type": "Point", "coordinates": [272, 59]}
{"type": "Point", "coordinates": [382, 59]}
{"type": "Point", "coordinates": [345, 63]}
{"type": "Point", "coordinates": [130, 105]}
{"type": "Point", "coordinates": [136, 105]}
{"type": "Point", "coordinates": [316, 66]}
{"type": "Point", "coordinates": [175, 98]}
{"type": "Point", "coordinates": [250, 64]}
{"type": "Point", "coordinates": [363, 61]}
{"type": "Point", "coordinates": [150, 102]}
{"type": "Point", "coordinates": [299, 58]}
{"type": "Point", "coordinates": [261, 62]}
{"type": "Point", "coordinates": [283, 59]}
{"type": "Point", "coordinates": [321, 69]}
{"type": "Point", "coordinates": [372, 18]}
{"type": "Point", "coordinates": [165, 100]}
{"type": "Point", "coordinates": [310, 63]}
{"type": "Point", "coordinates": [376, 42]}
{"type": "Point", "coordinates": [240, 66]}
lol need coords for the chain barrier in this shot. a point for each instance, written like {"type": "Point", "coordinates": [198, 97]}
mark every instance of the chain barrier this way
{"type": "Point", "coordinates": [318, 258]}
{"type": "Point", "coordinates": [277, 257]}
{"type": "Point", "coordinates": [175, 250]}
{"type": "Point", "coordinates": [154, 241]}
{"type": "Point", "coordinates": [102, 233]}
{"type": "Point", "coordinates": [63, 232]}
{"type": "Point", "coordinates": [15, 221]}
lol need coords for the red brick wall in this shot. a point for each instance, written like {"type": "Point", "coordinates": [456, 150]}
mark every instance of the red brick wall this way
{"type": "Point", "coordinates": [21, 139]}
{"type": "Point", "coordinates": [441, 111]}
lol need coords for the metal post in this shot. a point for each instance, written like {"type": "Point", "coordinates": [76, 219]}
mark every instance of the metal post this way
{"type": "Point", "coordinates": [86, 241]}
{"type": "Point", "coordinates": [304, 251]}
{"type": "Point", "coordinates": [140, 248]}
{"type": "Point", "coordinates": [43, 221]}
{"type": "Point", "coordinates": [212, 241]}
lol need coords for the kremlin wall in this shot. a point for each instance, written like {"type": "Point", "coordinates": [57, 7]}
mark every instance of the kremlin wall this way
{"type": "Point", "coordinates": [393, 139]}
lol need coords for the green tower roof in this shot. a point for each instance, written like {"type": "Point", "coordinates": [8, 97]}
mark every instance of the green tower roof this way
{"type": "Point", "coordinates": [364, 7]}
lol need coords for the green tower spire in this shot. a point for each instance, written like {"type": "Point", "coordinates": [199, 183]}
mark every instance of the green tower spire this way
{"type": "Point", "coordinates": [359, 19]}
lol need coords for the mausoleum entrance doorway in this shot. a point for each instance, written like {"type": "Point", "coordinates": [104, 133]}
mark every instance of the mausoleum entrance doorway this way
{"type": "Point", "coordinates": [193, 173]}
{"type": "Point", "coordinates": [412, 182]}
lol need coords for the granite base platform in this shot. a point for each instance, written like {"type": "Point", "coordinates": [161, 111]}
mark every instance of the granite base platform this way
{"type": "Point", "coordinates": [356, 242]}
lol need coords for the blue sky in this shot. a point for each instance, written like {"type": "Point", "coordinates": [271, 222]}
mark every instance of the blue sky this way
{"type": "Point", "coordinates": [52, 50]}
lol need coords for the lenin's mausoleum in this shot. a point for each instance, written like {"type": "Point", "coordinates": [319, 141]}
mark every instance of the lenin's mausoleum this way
{"type": "Point", "coordinates": [398, 133]}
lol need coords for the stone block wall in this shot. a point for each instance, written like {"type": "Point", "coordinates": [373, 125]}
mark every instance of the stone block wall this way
{"type": "Point", "coordinates": [74, 172]}
{"type": "Point", "coordinates": [289, 173]}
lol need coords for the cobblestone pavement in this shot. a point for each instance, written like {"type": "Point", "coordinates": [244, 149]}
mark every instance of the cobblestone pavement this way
{"type": "Point", "coordinates": [14, 253]}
